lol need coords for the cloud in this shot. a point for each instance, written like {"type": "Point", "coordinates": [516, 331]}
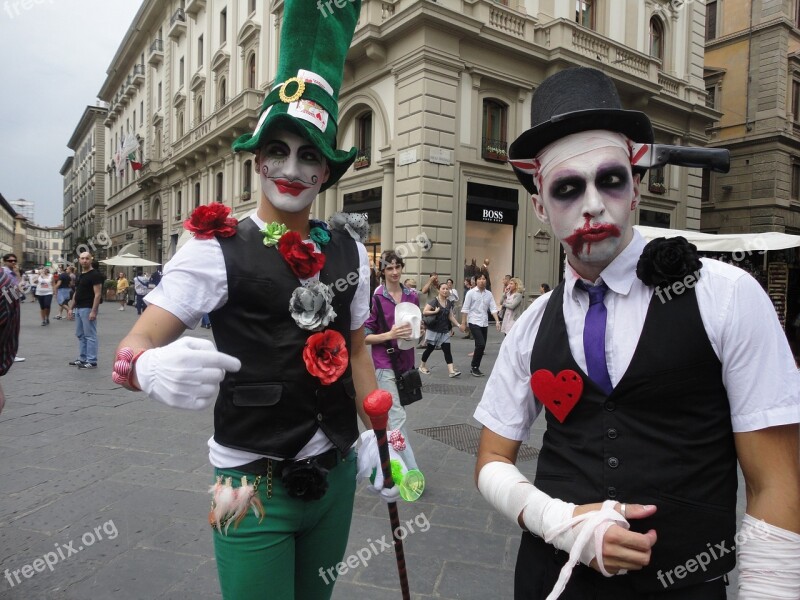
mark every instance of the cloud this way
{"type": "Point", "coordinates": [55, 55]}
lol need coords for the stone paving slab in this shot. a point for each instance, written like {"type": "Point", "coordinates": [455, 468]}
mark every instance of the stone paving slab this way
{"type": "Point", "coordinates": [78, 452]}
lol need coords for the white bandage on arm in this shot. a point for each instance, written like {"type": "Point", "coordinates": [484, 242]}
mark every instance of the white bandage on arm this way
{"type": "Point", "coordinates": [769, 561]}
{"type": "Point", "coordinates": [510, 492]}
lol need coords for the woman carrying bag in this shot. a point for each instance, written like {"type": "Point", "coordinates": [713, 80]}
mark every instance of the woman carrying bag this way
{"type": "Point", "coordinates": [439, 319]}
{"type": "Point", "coordinates": [512, 304]}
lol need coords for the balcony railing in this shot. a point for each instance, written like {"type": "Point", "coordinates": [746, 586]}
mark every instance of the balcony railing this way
{"type": "Point", "coordinates": [138, 74]}
{"type": "Point", "coordinates": [496, 150]}
{"type": "Point", "coordinates": [156, 52]}
{"type": "Point", "coordinates": [177, 24]}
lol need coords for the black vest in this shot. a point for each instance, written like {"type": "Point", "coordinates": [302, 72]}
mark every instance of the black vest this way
{"type": "Point", "coordinates": [273, 405]}
{"type": "Point", "coordinates": [663, 436]}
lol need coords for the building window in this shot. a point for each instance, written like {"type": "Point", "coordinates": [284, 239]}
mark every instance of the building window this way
{"type": "Point", "coordinates": [179, 124]}
{"type": "Point", "coordinates": [654, 218]}
{"type": "Point", "coordinates": [657, 38]}
{"type": "Point", "coordinates": [159, 95]}
{"type": "Point", "coordinates": [795, 100]}
{"type": "Point", "coordinates": [200, 51]}
{"type": "Point", "coordinates": [199, 111]}
{"type": "Point", "coordinates": [705, 186]}
{"type": "Point", "coordinates": [657, 183]}
{"type": "Point", "coordinates": [197, 194]}
{"type": "Point", "coordinates": [223, 25]}
{"type": "Point", "coordinates": [247, 180]}
{"type": "Point", "coordinates": [222, 92]}
{"type": "Point", "coordinates": [796, 181]}
{"type": "Point", "coordinates": [364, 140]}
{"type": "Point", "coordinates": [141, 113]}
{"type": "Point", "coordinates": [711, 96]}
{"type": "Point", "coordinates": [180, 72]}
{"type": "Point", "coordinates": [584, 13]}
{"type": "Point", "coordinates": [493, 142]}
{"type": "Point", "coordinates": [251, 6]}
{"type": "Point", "coordinates": [711, 19]}
{"type": "Point", "coordinates": [218, 195]}
{"type": "Point", "coordinates": [178, 202]}
{"type": "Point", "coordinates": [251, 72]}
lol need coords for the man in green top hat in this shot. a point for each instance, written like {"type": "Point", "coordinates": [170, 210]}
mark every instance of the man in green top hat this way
{"type": "Point", "coordinates": [290, 368]}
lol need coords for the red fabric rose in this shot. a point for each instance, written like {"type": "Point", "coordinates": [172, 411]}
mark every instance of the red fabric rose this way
{"type": "Point", "coordinates": [210, 220]}
{"type": "Point", "coordinates": [326, 356]}
{"type": "Point", "coordinates": [302, 257]}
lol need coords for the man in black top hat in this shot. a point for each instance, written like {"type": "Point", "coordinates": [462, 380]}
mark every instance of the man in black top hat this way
{"type": "Point", "coordinates": [641, 359]}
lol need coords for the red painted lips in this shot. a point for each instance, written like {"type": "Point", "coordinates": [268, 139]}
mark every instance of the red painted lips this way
{"type": "Point", "coordinates": [293, 188]}
{"type": "Point", "coordinates": [590, 235]}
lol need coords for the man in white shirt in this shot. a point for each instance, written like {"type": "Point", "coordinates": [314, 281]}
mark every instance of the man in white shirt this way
{"type": "Point", "coordinates": [478, 303]}
{"type": "Point", "coordinates": [657, 372]}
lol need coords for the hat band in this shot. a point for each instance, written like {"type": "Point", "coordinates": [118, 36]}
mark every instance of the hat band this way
{"type": "Point", "coordinates": [310, 91]}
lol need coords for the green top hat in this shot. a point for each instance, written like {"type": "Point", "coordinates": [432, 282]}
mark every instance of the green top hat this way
{"type": "Point", "coordinates": [315, 38]}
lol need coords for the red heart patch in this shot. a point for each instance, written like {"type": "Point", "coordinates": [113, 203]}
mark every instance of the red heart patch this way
{"type": "Point", "coordinates": [559, 393]}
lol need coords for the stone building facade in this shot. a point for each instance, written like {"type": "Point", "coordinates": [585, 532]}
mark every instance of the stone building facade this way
{"type": "Point", "coordinates": [84, 188]}
{"type": "Point", "coordinates": [752, 76]}
{"type": "Point", "coordinates": [432, 96]}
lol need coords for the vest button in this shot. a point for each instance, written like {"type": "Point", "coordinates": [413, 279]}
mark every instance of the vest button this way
{"type": "Point", "coordinates": [611, 406]}
{"type": "Point", "coordinates": [319, 416]}
{"type": "Point", "coordinates": [611, 492]}
{"type": "Point", "coordinates": [613, 462]}
{"type": "Point", "coordinates": [612, 433]}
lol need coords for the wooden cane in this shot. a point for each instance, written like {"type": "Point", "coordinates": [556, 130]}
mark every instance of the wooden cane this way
{"type": "Point", "coordinates": [377, 405]}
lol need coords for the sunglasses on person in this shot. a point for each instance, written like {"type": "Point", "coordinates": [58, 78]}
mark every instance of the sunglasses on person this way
{"type": "Point", "coordinates": [11, 260]}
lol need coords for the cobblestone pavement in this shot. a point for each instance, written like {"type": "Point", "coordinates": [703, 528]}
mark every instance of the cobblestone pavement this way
{"type": "Point", "coordinates": [104, 491]}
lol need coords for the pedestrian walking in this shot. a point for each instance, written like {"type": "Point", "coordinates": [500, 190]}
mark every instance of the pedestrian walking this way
{"type": "Point", "coordinates": [648, 388]}
{"type": "Point", "coordinates": [84, 306]}
{"type": "Point", "coordinates": [478, 304]}
{"type": "Point", "coordinates": [122, 290]}
{"type": "Point", "coordinates": [441, 320]}
{"type": "Point", "coordinates": [63, 292]}
{"type": "Point", "coordinates": [141, 288]}
{"type": "Point", "coordinates": [513, 305]}
{"type": "Point", "coordinates": [387, 338]}
{"type": "Point", "coordinates": [44, 294]}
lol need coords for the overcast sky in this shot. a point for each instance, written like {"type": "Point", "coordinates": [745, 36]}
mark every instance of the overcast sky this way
{"type": "Point", "coordinates": [54, 59]}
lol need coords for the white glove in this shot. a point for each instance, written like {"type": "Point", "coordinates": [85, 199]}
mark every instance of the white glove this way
{"type": "Point", "coordinates": [369, 460]}
{"type": "Point", "coordinates": [185, 373]}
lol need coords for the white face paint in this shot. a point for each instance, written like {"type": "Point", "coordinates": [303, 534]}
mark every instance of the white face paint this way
{"type": "Point", "coordinates": [588, 200]}
{"type": "Point", "coordinates": [292, 170]}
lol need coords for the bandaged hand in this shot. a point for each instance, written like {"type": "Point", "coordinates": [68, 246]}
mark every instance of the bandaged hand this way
{"type": "Point", "coordinates": [369, 462]}
{"type": "Point", "coordinates": [185, 373]}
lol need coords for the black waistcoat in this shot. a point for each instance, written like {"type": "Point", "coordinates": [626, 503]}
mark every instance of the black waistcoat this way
{"type": "Point", "coordinates": [663, 436]}
{"type": "Point", "coordinates": [273, 405]}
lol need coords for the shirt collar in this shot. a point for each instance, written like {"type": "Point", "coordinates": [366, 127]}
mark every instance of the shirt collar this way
{"type": "Point", "coordinates": [620, 275]}
{"type": "Point", "coordinates": [405, 292]}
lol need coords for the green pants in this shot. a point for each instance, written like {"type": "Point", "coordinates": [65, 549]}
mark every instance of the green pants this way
{"type": "Point", "coordinates": [288, 555]}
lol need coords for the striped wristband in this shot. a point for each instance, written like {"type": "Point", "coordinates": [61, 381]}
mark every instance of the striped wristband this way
{"type": "Point", "coordinates": [123, 368]}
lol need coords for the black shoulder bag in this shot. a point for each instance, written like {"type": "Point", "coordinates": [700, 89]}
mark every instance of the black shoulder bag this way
{"type": "Point", "coordinates": [409, 384]}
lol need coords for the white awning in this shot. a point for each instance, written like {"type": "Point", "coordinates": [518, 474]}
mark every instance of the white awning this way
{"type": "Point", "coordinates": [727, 242]}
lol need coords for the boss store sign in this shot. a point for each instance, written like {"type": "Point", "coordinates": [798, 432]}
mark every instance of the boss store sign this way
{"type": "Point", "coordinates": [492, 204]}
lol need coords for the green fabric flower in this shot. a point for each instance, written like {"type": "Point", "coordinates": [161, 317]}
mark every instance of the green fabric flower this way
{"type": "Point", "coordinates": [272, 232]}
{"type": "Point", "coordinates": [319, 235]}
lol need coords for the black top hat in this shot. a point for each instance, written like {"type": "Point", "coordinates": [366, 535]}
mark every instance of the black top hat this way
{"type": "Point", "coordinates": [573, 100]}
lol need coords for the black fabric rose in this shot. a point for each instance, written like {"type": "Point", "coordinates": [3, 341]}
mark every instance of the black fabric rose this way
{"type": "Point", "coordinates": [667, 260]}
{"type": "Point", "coordinates": [305, 480]}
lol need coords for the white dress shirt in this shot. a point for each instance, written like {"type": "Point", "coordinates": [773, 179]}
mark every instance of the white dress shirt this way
{"type": "Point", "coordinates": [758, 370]}
{"type": "Point", "coordinates": [195, 282]}
{"type": "Point", "coordinates": [477, 305]}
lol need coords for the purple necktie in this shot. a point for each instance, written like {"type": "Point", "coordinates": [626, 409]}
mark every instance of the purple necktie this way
{"type": "Point", "coordinates": [594, 336]}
